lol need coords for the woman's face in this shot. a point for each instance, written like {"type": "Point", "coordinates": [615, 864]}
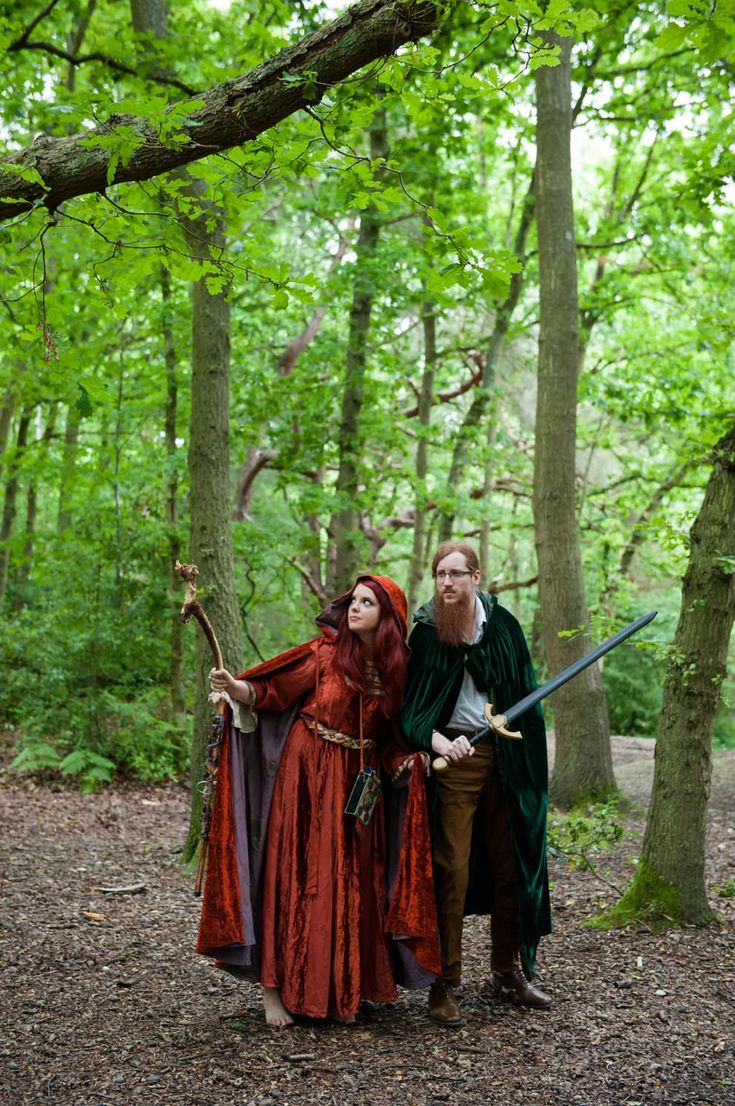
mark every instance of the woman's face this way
{"type": "Point", "coordinates": [363, 614]}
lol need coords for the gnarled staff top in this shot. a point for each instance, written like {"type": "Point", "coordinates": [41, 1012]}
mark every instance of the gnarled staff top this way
{"type": "Point", "coordinates": [192, 606]}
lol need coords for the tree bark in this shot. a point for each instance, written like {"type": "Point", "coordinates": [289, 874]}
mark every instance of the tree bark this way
{"type": "Point", "coordinates": [118, 439]}
{"type": "Point", "coordinates": [669, 882]}
{"type": "Point", "coordinates": [484, 398]}
{"type": "Point", "coordinates": [426, 397]}
{"type": "Point", "coordinates": [345, 522]}
{"type": "Point", "coordinates": [583, 763]}
{"type": "Point", "coordinates": [176, 664]}
{"type": "Point", "coordinates": [68, 466]}
{"type": "Point", "coordinates": [209, 490]}
{"type": "Point", "coordinates": [22, 577]}
{"type": "Point", "coordinates": [10, 502]}
{"type": "Point", "coordinates": [6, 417]}
{"type": "Point", "coordinates": [209, 454]}
{"type": "Point", "coordinates": [150, 17]}
{"type": "Point", "coordinates": [234, 112]}
{"type": "Point", "coordinates": [74, 42]}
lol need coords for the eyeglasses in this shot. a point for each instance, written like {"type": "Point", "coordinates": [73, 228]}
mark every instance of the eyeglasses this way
{"type": "Point", "coordinates": [453, 574]}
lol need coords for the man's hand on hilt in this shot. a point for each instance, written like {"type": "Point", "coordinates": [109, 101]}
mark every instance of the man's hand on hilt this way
{"type": "Point", "coordinates": [451, 750]}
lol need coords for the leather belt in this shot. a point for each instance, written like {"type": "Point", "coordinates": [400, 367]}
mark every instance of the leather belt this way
{"type": "Point", "coordinates": [336, 737]}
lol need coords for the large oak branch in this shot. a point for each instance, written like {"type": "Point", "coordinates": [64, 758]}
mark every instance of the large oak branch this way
{"type": "Point", "coordinates": [233, 113]}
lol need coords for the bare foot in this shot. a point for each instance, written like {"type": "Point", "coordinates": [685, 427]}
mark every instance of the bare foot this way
{"type": "Point", "coordinates": [275, 1012]}
{"type": "Point", "coordinates": [343, 1019]}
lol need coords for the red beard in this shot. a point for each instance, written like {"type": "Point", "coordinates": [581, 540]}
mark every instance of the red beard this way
{"type": "Point", "coordinates": [454, 620]}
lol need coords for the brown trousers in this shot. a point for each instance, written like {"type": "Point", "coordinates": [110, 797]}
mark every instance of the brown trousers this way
{"type": "Point", "coordinates": [467, 790]}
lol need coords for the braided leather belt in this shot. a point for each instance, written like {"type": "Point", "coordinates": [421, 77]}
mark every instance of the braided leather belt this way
{"type": "Point", "coordinates": [336, 737]}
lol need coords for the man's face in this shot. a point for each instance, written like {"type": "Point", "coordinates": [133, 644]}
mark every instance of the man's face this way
{"type": "Point", "coordinates": [455, 583]}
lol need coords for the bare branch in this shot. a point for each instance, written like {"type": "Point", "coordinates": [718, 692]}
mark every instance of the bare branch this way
{"type": "Point", "coordinates": [512, 585]}
{"type": "Point", "coordinates": [256, 462]}
{"type": "Point", "coordinates": [452, 393]}
{"type": "Point", "coordinates": [104, 59]}
{"type": "Point", "coordinates": [639, 531]}
{"type": "Point", "coordinates": [20, 42]}
{"type": "Point", "coordinates": [313, 585]}
{"type": "Point", "coordinates": [292, 352]}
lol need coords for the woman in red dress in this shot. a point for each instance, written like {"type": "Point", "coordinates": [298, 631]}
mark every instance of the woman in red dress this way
{"type": "Point", "coordinates": [317, 926]}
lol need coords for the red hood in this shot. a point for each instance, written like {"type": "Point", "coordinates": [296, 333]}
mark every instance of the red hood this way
{"type": "Point", "coordinates": [396, 602]}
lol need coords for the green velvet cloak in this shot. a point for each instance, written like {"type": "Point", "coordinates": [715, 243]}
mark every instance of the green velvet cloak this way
{"type": "Point", "coordinates": [501, 667]}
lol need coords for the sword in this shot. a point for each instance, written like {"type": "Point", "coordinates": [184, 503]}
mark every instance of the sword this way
{"type": "Point", "coordinates": [499, 723]}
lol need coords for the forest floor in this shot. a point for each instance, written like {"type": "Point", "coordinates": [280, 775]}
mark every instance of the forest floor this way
{"type": "Point", "coordinates": [104, 1001]}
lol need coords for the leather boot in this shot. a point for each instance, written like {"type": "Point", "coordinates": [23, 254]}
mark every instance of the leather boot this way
{"type": "Point", "coordinates": [514, 986]}
{"type": "Point", "coordinates": [443, 1007]}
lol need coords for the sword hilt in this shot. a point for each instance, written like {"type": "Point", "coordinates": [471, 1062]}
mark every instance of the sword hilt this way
{"type": "Point", "coordinates": [496, 724]}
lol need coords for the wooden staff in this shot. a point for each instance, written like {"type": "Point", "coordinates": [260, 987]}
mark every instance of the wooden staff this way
{"type": "Point", "coordinates": [207, 786]}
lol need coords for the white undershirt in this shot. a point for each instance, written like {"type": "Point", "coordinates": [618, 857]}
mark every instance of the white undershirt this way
{"type": "Point", "coordinates": [469, 710]}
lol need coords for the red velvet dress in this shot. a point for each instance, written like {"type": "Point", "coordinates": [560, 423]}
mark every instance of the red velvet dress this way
{"type": "Point", "coordinates": [324, 944]}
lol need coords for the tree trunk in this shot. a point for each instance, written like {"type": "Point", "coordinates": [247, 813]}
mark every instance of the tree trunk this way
{"type": "Point", "coordinates": [118, 440]}
{"type": "Point", "coordinates": [345, 522]}
{"type": "Point", "coordinates": [74, 42]}
{"type": "Point", "coordinates": [68, 466]}
{"type": "Point", "coordinates": [10, 503]}
{"type": "Point", "coordinates": [426, 396]}
{"type": "Point", "coordinates": [210, 501]}
{"type": "Point", "coordinates": [234, 112]}
{"type": "Point", "coordinates": [484, 399]}
{"type": "Point", "coordinates": [176, 664]}
{"type": "Point", "coordinates": [6, 417]}
{"type": "Point", "coordinates": [150, 17]}
{"type": "Point", "coordinates": [209, 491]}
{"type": "Point", "coordinates": [583, 763]}
{"type": "Point", "coordinates": [21, 579]}
{"type": "Point", "coordinates": [669, 882]}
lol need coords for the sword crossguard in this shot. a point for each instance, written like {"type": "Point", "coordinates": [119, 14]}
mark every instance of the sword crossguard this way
{"type": "Point", "coordinates": [497, 721]}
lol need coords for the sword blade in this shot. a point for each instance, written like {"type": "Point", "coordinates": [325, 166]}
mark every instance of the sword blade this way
{"type": "Point", "coordinates": [569, 673]}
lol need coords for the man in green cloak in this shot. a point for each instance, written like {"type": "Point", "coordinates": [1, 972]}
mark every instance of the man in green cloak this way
{"type": "Point", "coordinates": [489, 832]}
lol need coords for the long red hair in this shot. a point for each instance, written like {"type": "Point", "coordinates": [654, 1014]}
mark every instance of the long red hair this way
{"type": "Point", "coordinates": [389, 653]}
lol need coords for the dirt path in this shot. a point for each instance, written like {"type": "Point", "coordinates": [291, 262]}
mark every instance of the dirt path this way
{"type": "Point", "coordinates": [103, 1000]}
